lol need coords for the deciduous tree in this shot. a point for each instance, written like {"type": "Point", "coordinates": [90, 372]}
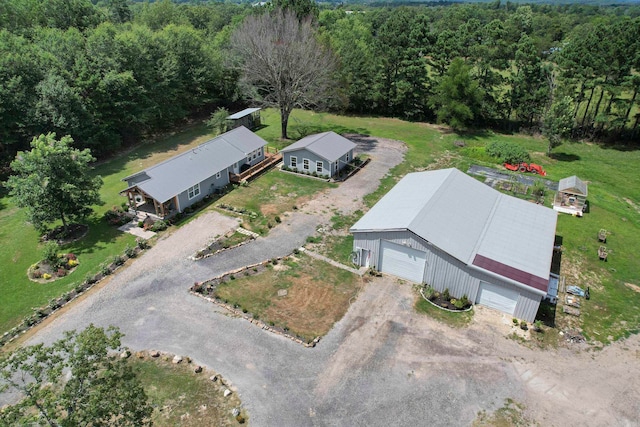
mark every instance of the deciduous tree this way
{"type": "Point", "coordinates": [282, 64]}
{"type": "Point", "coordinates": [53, 181]}
{"type": "Point", "coordinates": [77, 381]}
{"type": "Point", "coordinates": [558, 122]}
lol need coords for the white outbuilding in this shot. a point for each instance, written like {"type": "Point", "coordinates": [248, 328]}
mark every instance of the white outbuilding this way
{"type": "Point", "coordinates": [450, 231]}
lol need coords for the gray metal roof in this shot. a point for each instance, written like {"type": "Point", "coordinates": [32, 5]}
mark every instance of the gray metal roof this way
{"type": "Point", "coordinates": [243, 113]}
{"type": "Point", "coordinates": [328, 145]}
{"type": "Point", "coordinates": [467, 218]}
{"type": "Point", "coordinates": [177, 174]}
{"type": "Point", "coordinates": [574, 185]}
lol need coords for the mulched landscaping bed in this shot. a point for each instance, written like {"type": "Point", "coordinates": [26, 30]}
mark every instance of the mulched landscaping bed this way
{"type": "Point", "coordinates": [73, 233]}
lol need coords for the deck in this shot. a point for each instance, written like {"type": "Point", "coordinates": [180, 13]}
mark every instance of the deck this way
{"type": "Point", "coordinates": [270, 160]}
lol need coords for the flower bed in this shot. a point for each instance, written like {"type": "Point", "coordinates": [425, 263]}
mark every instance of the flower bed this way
{"type": "Point", "coordinates": [444, 299]}
{"type": "Point", "coordinates": [50, 270]}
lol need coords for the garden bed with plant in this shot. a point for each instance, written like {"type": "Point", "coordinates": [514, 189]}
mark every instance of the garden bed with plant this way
{"type": "Point", "coordinates": [106, 269]}
{"type": "Point", "coordinates": [230, 240]}
{"type": "Point", "coordinates": [445, 300]}
{"type": "Point", "coordinates": [53, 265]}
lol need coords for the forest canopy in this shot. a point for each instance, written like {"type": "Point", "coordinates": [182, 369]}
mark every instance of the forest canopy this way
{"type": "Point", "coordinates": [110, 72]}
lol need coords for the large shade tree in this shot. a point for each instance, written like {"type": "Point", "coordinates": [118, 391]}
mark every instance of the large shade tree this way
{"type": "Point", "coordinates": [76, 381]}
{"type": "Point", "coordinates": [282, 64]}
{"type": "Point", "coordinates": [53, 182]}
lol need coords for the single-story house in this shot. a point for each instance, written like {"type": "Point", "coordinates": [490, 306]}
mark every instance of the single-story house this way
{"type": "Point", "coordinates": [323, 153]}
{"type": "Point", "coordinates": [571, 196]}
{"type": "Point", "coordinates": [450, 231]}
{"type": "Point", "coordinates": [249, 118]}
{"type": "Point", "coordinates": [173, 185]}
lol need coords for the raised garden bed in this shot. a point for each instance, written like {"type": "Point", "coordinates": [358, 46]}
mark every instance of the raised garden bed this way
{"type": "Point", "coordinates": [444, 300]}
{"type": "Point", "coordinates": [46, 271]}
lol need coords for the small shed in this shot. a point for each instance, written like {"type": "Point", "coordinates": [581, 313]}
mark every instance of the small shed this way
{"type": "Point", "coordinates": [571, 196]}
{"type": "Point", "coordinates": [249, 118]}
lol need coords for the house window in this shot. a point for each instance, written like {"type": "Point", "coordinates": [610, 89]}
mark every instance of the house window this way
{"type": "Point", "coordinates": [305, 164]}
{"type": "Point", "coordinates": [319, 167]}
{"type": "Point", "coordinates": [259, 151]}
{"type": "Point", "coordinates": [218, 175]}
{"type": "Point", "coordinates": [293, 162]}
{"type": "Point", "coordinates": [193, 191]}
{"type": "Point", "coordinates": [346, 157]}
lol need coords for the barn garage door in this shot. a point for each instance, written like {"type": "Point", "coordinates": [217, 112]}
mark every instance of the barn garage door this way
{"type": "Point", "coordinates": [402, 261]}
{"type": "Point", "coordinates": [498, 297]}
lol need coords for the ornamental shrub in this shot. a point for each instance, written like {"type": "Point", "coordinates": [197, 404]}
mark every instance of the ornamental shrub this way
{"type": "Point", "coordinates": [50, 253]}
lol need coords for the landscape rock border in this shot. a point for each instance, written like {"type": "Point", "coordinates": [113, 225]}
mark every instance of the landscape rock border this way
{"type": "Point", "coordinates": [41, 313]}
{"type": "Point", "coordinates": [206, 290]}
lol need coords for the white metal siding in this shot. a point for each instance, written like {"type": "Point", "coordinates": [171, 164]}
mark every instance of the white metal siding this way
{"type": "Point", "coordinates": [444, 271]}
{"type": "Point", "coordinates": [498, 297]}
{"type": "Point", "coordinates": [402, 261]}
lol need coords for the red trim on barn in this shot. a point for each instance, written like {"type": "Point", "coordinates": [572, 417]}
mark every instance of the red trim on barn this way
{"type": "Point", "coordinates": [511, 273]}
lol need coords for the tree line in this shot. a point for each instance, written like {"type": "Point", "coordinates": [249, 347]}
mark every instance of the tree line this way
{"type": "Point", "coordinates": [111, 72]}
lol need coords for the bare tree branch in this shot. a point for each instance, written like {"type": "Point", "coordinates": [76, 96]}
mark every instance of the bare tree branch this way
{"type": "Point", "coordinates": [282, 63]}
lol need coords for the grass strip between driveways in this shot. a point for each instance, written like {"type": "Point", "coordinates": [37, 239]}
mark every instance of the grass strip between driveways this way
{"type": "Point", "coordinates": [301, 295]}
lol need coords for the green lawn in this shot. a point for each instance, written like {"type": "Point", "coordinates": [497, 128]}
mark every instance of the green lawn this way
{"type": "Point", "coordinates": [269, 196]}
{"type": "Point", "coordinates": [175, 390]}
{"type": "Point", "coordinates": [614, 196]}
{"type": "Point", "coordinates": [317, 295]}
{"type": "Point", "coordinates": [20, 247]}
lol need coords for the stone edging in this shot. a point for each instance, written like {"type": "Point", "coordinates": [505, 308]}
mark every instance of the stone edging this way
{"type": "Point", "coordinates": [197, 258]}
{"type": "Point", "coordinates": [41, 313]}
{"type": "Point", "coordinates": [243, 315]}
{"type": "Point", "coordinates": [445, 309]}
{"type": "Point", "coordinates": [226, 386]}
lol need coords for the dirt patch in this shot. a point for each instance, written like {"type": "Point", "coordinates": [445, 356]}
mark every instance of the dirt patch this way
{"type": "Point", "coordinates": [633, 287]}
{"type": "Point", "coordinates": [271, 209]}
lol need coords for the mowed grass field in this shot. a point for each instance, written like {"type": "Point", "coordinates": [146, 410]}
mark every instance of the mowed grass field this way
{"type": "Point", "coordinates": [614, 195]}
{"type": "Point", "coordinates": [20, 246]}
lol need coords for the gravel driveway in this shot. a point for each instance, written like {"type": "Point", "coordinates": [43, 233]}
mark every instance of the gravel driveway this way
{"type": "Point", "coordinates": [380, 365]}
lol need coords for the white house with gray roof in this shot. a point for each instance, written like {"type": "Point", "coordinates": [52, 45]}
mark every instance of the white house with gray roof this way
{"type": "Point", "coordinates": [323, 153]}
{"type": "Point", "coordinates": [177, 183]}
{"type": "Point", "coordinates": [450, 231]}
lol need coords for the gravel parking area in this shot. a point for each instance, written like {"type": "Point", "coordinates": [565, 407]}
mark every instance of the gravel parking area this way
{"type": "Point", "coordinates": [381, 365]}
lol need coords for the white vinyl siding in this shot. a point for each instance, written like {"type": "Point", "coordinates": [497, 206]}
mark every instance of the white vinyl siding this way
{"type": "Point", "coordinates": [193, 191]}
{"type": "Point", "coordinates": [402, 261]}
{"type": "Point", "coordinates": [498, 297]}
{"type": "Point", "coordinates": [293, 162]}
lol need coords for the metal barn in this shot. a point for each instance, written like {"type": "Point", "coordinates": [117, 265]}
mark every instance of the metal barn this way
{"type": "Point", "coordinates": [446, 229]}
